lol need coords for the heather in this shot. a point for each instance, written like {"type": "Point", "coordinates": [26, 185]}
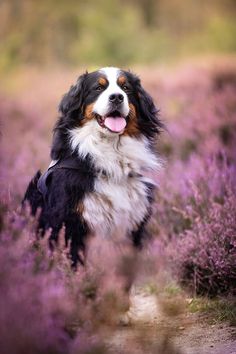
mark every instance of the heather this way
{"type": "Point", "coordinates": [203, 247]}
{"type": "Point", "coordinates": [46, 307]}
{"type": "Point", "coordinates": [195, 207]}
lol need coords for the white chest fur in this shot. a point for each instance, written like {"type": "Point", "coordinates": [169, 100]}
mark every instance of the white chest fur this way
{"type": "Point", "coordinates": [119, 201]}
{"type": "Point", "coordinates": [116, 208]}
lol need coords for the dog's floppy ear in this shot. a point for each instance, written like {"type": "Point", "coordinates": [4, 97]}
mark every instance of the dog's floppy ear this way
{"type": "Point", "coordinates": [149, 113]}
{"type": "Point", "coordinates": [72, 102]}
{"type": "Point", "coordinates": [71, 109]}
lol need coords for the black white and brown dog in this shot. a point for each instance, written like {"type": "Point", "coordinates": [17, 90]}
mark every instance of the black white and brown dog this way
{"type": "Point", "coordinates": [104, 141]}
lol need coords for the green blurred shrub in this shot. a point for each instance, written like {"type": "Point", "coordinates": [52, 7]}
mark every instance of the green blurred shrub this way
{"type": "Point", "coordinates": [118, 32]}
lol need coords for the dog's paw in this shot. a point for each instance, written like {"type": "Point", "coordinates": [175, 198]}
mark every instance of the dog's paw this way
{"type": "Point", "coordinates": [125, 319]}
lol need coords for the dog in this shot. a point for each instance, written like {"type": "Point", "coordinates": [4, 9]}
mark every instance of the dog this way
{"type": "Point", "coordinates": [103, 144]}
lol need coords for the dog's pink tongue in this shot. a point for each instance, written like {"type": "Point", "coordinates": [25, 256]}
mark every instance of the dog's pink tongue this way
{"type": "Point", "coordinates": [115, 124]}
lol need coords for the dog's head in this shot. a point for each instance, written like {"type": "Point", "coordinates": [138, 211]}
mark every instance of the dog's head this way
{"type": "Point", "coordinates": [110, 100]}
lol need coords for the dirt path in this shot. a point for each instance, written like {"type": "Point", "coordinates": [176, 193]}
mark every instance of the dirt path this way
{"type": "Point", "coordinates": [201, 338]}
{"type": "Point", "coordinates": [148, 331]}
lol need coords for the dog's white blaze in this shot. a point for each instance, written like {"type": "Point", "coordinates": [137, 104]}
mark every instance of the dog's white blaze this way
{"type": "Point", "coordinates": [120, 201]}
{"type": "Point", "coordinates": [101, 106]}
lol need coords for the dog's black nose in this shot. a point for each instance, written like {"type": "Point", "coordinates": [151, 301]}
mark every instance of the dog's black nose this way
{"type": "Point", "coordinates": [116, 98]}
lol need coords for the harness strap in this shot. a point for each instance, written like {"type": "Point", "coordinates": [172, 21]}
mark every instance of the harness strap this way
{"type": "Point", "coordinates": [69, 163]}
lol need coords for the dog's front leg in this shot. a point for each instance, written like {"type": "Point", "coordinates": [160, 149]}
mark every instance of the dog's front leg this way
{"type": "Point", "coordinates": [76, 232]}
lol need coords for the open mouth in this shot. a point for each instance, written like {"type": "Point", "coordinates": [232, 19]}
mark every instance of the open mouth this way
{"type": "Point", "coordinates": [114, 122]}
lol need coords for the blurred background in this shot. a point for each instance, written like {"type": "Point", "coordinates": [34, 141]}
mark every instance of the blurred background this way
{"type": "Point", "coordinates": [184, 53]}
{"type": "Point", "coordinates": [119, 32]}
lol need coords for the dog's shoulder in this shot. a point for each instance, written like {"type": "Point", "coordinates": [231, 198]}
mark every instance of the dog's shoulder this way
{"type": "Point", "coordinates": [72, 177]}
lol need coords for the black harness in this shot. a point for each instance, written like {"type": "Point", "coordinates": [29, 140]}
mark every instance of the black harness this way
{"type": "Point", "coordinates": [69, 163]}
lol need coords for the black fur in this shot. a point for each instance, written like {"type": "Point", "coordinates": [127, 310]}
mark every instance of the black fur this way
{"type": "Point", "coordinates": [148, 115]}
{"type": "Point", "coordinates": [65, 187]}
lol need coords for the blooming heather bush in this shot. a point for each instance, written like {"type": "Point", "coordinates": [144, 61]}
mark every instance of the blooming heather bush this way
{"type": "Point", "coordinates": [204, 253]}
{"type": "Point", "coordinates": [45, 306]}
{"type": "Point", "coordinates": [196, 204]}
{"type": "Point", "coordinates": [34, 302]}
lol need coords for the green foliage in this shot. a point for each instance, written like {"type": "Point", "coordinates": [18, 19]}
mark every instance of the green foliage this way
{"type": "Point", "coordinates": [79, 32]}
{"type": "Point", "coordinates": [219, 309]}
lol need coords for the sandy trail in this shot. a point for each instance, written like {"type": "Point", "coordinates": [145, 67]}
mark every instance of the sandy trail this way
{"type": "Point", "coordinates": [149, 331]}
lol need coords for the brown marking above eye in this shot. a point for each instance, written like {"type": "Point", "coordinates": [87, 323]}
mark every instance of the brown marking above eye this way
{"type": "Point", "coordinates": [102, 81]}
{"type": "Point", "coordinates": [121, 80]}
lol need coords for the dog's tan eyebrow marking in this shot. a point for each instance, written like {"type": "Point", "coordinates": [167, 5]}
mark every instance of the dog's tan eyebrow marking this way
{"type": "Point", "coordinates": [102, 81]}
{"type": "Point", "coordinates": [121, 80]}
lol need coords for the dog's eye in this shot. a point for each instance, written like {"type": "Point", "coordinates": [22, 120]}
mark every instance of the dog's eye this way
{"type": "Point", "coordinates": [125, 88]}
{"type": "Point", "coordinates": [99, 88]}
